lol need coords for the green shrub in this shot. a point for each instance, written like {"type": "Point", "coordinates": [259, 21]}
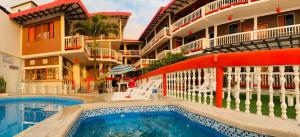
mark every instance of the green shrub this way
{"type": "Point", "coordinates": [2, 85]}
{"type": "Point", "coordinates": [168, 60]}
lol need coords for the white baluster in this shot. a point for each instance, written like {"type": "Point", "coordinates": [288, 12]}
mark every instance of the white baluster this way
{"type": "Point", "coordinates": [229, 78]}
{"type": "Point", "coordinates": [199, 86]}
{"type": "Point", "coordinates": [247, 102]}
{"type": "Point", "coordinates": [206, 82]}
{"type": "Point", "coordinates": [173, 85]}
{"type": "Point", "coordinates": [282, 91]}
{"type": "Point", "coordinates": [258, 90]}
{"type": "Point", "coordinates": [181, 84]}
{"type": "Point", "coordinates": [212, 86]}
{"type": "Point", "coordinates": [271, 81]}
{"type": "Point", "coordinates": [194, 85]}
{"type": "Point", "coordinates": [297, 93]}
{"type": "Point", "coordinates": [188, 85]}
{"type": "Point", "coordinates": [177, 84]}
{"type": "Point", "coordinates": [185, 85]}
{"type": "Point", "coordinates": [238, 81]}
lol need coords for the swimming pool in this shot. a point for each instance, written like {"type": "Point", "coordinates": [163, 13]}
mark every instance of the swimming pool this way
{"type": "Point", "coordinates": [18, 114]}
{"type": "Point", "coordinates": [150, 121]}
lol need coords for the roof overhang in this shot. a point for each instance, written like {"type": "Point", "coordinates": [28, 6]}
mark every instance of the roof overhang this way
{"type": "Point", "coordinates": [72, 9]}
{"type": "Point", "coordinates": [177, 5]}
{"type": "Point", "coordinates": [4, 10]}
{"type": "Point", "coordinates": [124, 16]}
{"type": "Point", "coordinates": [156, 19]}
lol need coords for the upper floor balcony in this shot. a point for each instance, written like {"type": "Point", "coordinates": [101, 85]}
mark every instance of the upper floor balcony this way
{"type": "Point", "coordinates": [272, 38]}
{"type": "Point", "coordinates": [219, 11]}
{"type": "Point", "coordinates": [192, 48]}
{"type": "Point", "coordinates": [160, 38]}
{"type": "Point", "coordinates": [77, 43]}
{"type": "Point", "coordinates": [142, 63]}
{"type": "Point", "coordinates": [163, 54]}
{"type": "Point", "coordinates": [130, 53]}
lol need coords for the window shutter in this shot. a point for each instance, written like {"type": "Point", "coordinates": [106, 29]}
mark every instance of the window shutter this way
{"type": "Point", "coordinates": [31, 34]}
{"type": "Point", "coordinates": [51, 29]}
{"type": "Point", "coordinates": [281, 21]}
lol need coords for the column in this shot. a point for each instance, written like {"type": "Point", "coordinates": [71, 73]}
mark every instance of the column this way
{"type": "Point", "coordinates": [125, 52]}
{"type": "Point", "coordinates": [255, 28]}
{"type": "Point", "coordinates": [215, 34]}
{"type": "Point", "coordinates": [62, 32]}
{"type": "Point", "coordinates": [60, 69]}
{"type": "Point", "coordinates": [76, 73]}
{"type": "Point", "coordinates": [84, 72]}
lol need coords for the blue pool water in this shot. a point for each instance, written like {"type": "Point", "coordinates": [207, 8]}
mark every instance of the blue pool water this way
{"type": "Point", "coordinates": [149, 124]}
{"type": "Point", "coordinates": [18, 114]}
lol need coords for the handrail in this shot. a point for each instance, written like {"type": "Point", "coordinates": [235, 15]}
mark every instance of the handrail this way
{"type": "Point", "coordinates": [251, 58]}
{"type": "Point", "coordinates": [162, 54]}
{"type": "Point", "coordinates": [193, 46]}
{"type": "Point", "coordinates": [255, 35]}
{"type": "Point", "coordinates": [104, 53]}
{"type": "Point", "coordinates": [164, 32]}
{"type": "Point", "coordinates": [74, 42]}
{"type": "Point", "coordinates": [188, 18]}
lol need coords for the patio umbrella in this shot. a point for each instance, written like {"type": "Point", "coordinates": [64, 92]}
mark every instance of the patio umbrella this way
{"type": "Point", "coordinates": [121, 69]}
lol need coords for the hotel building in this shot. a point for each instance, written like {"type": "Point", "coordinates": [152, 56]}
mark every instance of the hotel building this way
{"type": "Point", "coordinates": [50, 59]}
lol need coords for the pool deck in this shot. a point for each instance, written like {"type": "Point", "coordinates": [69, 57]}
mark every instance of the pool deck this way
{"type": "Point", "coordinates": [58, 124]}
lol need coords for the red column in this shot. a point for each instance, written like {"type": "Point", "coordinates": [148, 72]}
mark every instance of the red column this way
{"type": "Point", "coordinates": [219, 89]}
{"type": "Point", "coordinates": [164, 84]}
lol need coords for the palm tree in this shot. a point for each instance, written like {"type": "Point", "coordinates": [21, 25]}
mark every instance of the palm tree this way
{"type": "Point", "coordinates": [94, 27]}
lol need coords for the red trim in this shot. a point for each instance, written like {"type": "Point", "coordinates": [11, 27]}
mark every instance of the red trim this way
{"type": "Point", "coordinates": [253, 58]}
{"type": "Point", "coordinates": [210, 12]}
{"type": "Point", "coordinates": [112, 13]}
{"type": "Point", "coordinates": [72, 47]}
{"type": "Point", "coordinates": [225, 7]}
{"type": "Point", "coordinates": [219, 86]}
{"type": "Point", "coordinates": [168, 6]}
{"type": "Point", "coordinates": [164, 84]}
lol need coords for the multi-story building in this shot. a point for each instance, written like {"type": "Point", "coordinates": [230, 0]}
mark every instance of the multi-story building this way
{"type": "Point", "coordinates": [56, 61]}
{"type": "Point", "coordinates": [195, 27]}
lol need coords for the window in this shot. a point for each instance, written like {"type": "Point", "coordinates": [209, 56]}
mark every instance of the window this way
{"type": "Point", "coordinates": [286, 20]}
{"type": "Point", "coordinates": [234, 28]}
{"type": "Point", "coordinates": [42, 74]}
{"type": "Point", "coordinates": [41, 32]}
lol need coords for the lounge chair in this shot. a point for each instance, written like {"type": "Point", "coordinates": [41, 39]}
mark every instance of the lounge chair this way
{"type": "Point", "coordinates": [144, 93]}
{"type": "Point", "coordinates": [120, 95]}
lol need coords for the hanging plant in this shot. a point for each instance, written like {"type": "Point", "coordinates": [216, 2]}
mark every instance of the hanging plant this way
{"type": "Point", "coordinates": [2, 85]}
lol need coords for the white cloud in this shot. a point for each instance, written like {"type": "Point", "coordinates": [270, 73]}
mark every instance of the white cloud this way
{"type": "Point", "coordinates": [142, 10]}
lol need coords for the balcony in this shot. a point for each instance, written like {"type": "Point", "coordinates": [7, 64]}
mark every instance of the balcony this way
{"type": "Point", "coordinates": [195, 47]}
{"type": "Point", "coordinates": [130, 53]}
{"type": "Point", "coordinates": [142, 63]}
{"type": "Point", "coordinates": [163, 54]}
{"type": "Point", "coordinates": [104, 54]}
{"type": "Point", "coordinates": [74, 42]}
{"type": "Point", "coordinates": [259, 39]}
{"type": "Point", "coordinates": [218, 11]}
{"type": "Point", "coordinates": [159, 39]}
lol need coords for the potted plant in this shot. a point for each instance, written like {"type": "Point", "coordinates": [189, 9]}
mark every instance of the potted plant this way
{"type": "Point", "coordinates": [2, 85]}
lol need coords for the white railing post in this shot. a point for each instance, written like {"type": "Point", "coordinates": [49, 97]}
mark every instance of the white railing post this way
{"type": "Point", "coordinates": [199, 86]}
{"type": "Point", "coordinates": [194, 85]}
{"type": "Point", "coordinates": [248, 79]}
{"type": "Point", "coordinates": [237, 92]}
{"type": "Point", "coordinates": [296, 80]}
{"type": "Point", "coordinates": [258, 90]}
{"type": "Point", "coordinates": [185, 84]}
{"type": "Point", "coordinates": [282, 91]}
{"type": "Point", "coordinates": [212, 86]}
{"type": "Point", "coordinates": [206, 84]}
{"type": "Point", "coordinates": [229, 78]}
{"type": "Point", "coordinates": [271, 81]}
{"type": "Point", "coordinates": [181, 84]}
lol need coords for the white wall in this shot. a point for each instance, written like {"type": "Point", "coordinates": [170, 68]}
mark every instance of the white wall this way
{"type": "Point", "coordinates": [10, 48]}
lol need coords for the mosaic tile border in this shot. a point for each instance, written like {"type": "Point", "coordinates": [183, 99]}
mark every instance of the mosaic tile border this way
{"type": "Point", "coordinates": [208, 122]}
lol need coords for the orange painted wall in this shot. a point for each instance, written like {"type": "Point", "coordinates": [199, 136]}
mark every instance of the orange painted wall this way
{"type": "Point", "coordinates": [42, 46]}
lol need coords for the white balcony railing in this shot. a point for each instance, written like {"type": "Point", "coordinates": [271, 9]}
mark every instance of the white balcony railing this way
{"type": "Point", "coordinates": [255, 35]}
{"type": "Point", "coordinates": [144, 63]}
{"type": "Point", "coordinates": [104, 54]}
{"type": "Point", "coordinates": [205, 10]}
{"type": "Point", "coordinates": [187, 19]}
{"type": "Point", "coordinates": [163, 33]}
{"type": "Point", "coordinates": [163, 54]}
{"type": "Point", "coordinates": [130, 52]}
{"type": "Point", "coordinates": [222, 4]}
{"type": "Point", "coordinates": [74, 42]}
{"type": "Point", "coordinates": [192, 47]}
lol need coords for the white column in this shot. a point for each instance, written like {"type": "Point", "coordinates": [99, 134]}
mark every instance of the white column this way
{"type": "Point", "coordinates": [247, 102]}
{"type": "Point", "coordinates": [258, 90]}
{"type": "Point", "coordinates": [76, 73]}
{"type": "Point", "coordinates": [229, 78]}
{"type": "Point", "coordinates": [206, 84]}
{"type": "Point", "coordinates": [62, 32]}
{"type": "Point", "coordinates": [215, 34]}
{"type": "Point", "coordinates": [238, 81]}
{"type": "Point", "coordinates": [60, 68]}
{"type": "Point", "coordinates": [271, 81]}
{"type": "Point", "coordinates": [207, 32]}
{"type": "Point", "coordinates": [255, 27]}
{"type": "Point", "coordinates": [283, 92]}
{"type": "Point", "coordinates": [296, 80]}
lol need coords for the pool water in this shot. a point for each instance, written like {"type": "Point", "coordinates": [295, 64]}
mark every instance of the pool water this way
{"type": "Point", "coordinates": [18, 114]}
{"type": "Point", "coordinates": [150, 124]}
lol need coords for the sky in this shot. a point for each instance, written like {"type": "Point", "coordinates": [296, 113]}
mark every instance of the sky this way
{"type": "Point", "coordinates": [142, 11]}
